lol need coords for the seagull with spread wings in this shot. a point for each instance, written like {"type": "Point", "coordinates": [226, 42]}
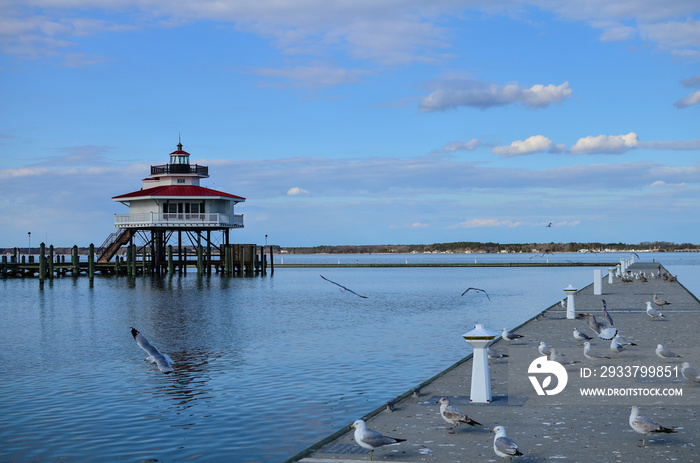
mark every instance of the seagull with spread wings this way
{"type": "Point", "coordinates": [343, 288]}
{"type": "Point", "coordinates": [476, 290]}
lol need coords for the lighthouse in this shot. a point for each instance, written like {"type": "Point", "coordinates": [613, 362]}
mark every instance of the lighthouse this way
{"type": "Point", "coordinates": [172, 205]}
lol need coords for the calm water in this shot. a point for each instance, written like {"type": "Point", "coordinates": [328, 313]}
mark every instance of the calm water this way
{"type": "Point", "coordinates": [265, 366]}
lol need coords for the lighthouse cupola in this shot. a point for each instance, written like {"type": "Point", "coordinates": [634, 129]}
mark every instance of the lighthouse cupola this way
{"type": "Point", "coordinates": [179, 158]}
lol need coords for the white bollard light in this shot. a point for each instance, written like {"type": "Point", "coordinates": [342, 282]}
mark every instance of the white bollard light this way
{"type": "Point", "coordinates": [597, 282]}
{"type": "Point", "coordinates": [479, 338]}
{"type": "Point", "coordinates": [611, 274]}
{"type": "Point", "coordinates": [570, 305]}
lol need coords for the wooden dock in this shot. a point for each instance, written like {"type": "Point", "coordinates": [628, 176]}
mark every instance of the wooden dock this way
{"type": "Point", "coordinates": [232, 260]}
{"type": "Point", "coordinates": [560, 429]}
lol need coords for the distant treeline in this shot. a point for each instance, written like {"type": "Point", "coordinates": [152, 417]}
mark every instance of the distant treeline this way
{"type": "Point", "coordinates": [457, 247]}
{"type": "Point", "coordinates": [476, 247]}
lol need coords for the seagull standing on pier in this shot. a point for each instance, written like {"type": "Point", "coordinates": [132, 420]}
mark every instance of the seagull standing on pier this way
{"type": "Point", "coordinates": [590, 354]}
{"type": "Point", "coordinates": [561, 358]}
{"type": "Point", "coordinates": [659, 302]}
{"type": "Point", "coordinates": [652, 312]}
{"type": "Point", "coordinates": [664, 353]}
{"type": "Point", "coordinates": [371, 440]}
{"type": "Point", "coordinates": [581, 336]}
{"type": "Point", "coordinates": [453, 416]}
{"type": "Point", "coordinates": [508, 336]}
{"type": "Point", "coordinates": [544, 349]}
{"type": "Point", "coordinates": [644, 425]}
{"type": "Point", "coordinates": [503, 445]}
{"type": "Point", "coordinates": [689, 373]}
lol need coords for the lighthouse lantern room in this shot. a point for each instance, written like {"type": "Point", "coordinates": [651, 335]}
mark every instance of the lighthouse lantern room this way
{"type": "Point", "coordinates": [171, 203]}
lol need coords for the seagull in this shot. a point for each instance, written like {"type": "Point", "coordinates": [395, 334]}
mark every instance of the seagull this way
{"type": "Point", "coordinates": [508, 336]}
{"type": "Point", "coordinates": [660, 302]}
{"type": "Point", "coordinates": [615, 346]}
{"type": "Point", "coordinates": [691, 374]}
{"type": "Point", "coordinates": [606, 316]}
{"type": "Point", "coordinates": [581, 336]}
{"type": "Point", "coordinates": [602, 329]}
{"type": "Point", "coordinates": [590, 354]}
{"type": "Point", "coordinates": [495, 355]}
{"type": "Point", "coordinates": [664, 353]}
{"type": "Point", "coordinates": [371, 440]}
{"type": "Point", "coordinates": [623, 340]}
{"type": "Point", "coordinates": [476, 290]}
{"type": "Point", "coordinates": [561, 358]}
{"type": "Point", "coordinates": [544, 348]}
{"type": "Point", "coordinates": [549, 225]}
{"type": "Point", "coordinates": [453, 416]}
{"type": "Point", "coordinates": [154, 356]}
{"type": "Point", "coordinates": [644, 425]}
{"type": "Point", "coordinates": [343, 288]}
{"type": "Point", "coordinates": [503, 445]}
{"type": "Point", "coordinates": [652, 312]}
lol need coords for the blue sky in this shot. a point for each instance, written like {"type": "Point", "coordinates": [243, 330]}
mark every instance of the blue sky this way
{"type": "Point", "coordinates": [358, 122]}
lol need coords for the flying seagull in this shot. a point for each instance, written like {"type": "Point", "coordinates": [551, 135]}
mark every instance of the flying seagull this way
{"type": "Point", "coordinates": [371, 440]}
{"type": "Point", "coordinates": [154, 356]}
{"type": "Point", "coordinates": [343, 287]}
{"type": "Point", "coordinates": [477, 290]}
{"type": "Point", "coordinates": [645, 426]}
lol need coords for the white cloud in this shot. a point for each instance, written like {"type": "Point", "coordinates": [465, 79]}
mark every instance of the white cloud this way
{"type": "Point", "coordinates": [296, 191]}
{"type": "Point", "coordinates": [605, 144]}
{"type": "Point", "coordinates": [661, 184]}
{"type": "Point", "coordinates": [533, 144]}
{"type": "Point", "coordinates": [471, 145]}
{"type": "Point", "coordinates": [483, 96]}
{"type": "Point", "coordinates": [688, 100]}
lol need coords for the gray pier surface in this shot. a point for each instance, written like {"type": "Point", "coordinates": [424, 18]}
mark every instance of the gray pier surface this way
{"type": "Point", "coordinates": [595, 432]}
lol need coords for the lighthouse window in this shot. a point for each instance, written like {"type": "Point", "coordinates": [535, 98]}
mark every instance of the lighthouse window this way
{"type": "Point", "coordinates": [194, 208]}
{"type": "Point", "coordinates": [180, 180]}
{"type": "Point", "coordinates": [172, 208]}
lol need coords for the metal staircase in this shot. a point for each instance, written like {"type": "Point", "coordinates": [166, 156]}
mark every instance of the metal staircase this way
{"type": "Point", "coordinates": [113, 242]}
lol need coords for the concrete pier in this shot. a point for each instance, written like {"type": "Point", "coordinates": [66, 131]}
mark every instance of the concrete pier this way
{"type": "Point", "coordinates": [598, 431]}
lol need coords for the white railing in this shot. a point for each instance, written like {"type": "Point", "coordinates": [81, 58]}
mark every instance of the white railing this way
{"type": "Point", "coordinates": [157, 219]}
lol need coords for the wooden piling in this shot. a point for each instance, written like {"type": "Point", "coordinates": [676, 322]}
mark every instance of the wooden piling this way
{"type": "Point", "coordinates": [200, 261]}
{"type": "Point", "coordinates": [50, 261]}
{"type": "Point", "coordinates": [91, 261]}
{"type": "Point", "coordinates": [75, 263]}
{"type": "Point", "coordinates": [42, 262]}
{"type": "Point", "coordinates": [171, 264]}
{"type": "Point", "coordinates": [272, 262]}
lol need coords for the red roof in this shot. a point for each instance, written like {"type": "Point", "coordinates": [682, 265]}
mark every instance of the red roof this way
{"type": "Point", "coordinates": [177, 191]}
